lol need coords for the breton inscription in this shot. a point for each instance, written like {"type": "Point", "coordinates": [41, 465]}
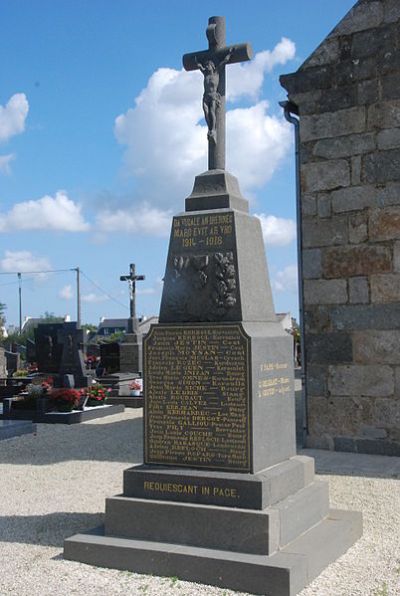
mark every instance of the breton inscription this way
{"type": "Point", "coordinates": [197, 396]}
{"type": "Point", "coordinates": [201, 280]}
{"type": "Point", "coordinates": [202, 231]}
{"type": "Point", "coordinates": [273, 379]}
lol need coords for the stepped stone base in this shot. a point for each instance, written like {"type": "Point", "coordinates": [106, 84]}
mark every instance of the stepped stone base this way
{"type": "Point", "coordinates": [284, 573]}
{"type": "Point", "coordinates": [275, 546]}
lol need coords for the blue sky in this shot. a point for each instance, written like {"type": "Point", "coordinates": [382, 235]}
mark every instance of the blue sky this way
{"type": "Point", "coordinates": [101, 134]}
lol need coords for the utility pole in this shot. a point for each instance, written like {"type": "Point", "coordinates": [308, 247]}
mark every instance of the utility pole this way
{"type": "Point", "coordinates": [20, 301]}
{"type": "Point", "coordinates": [78, 297]}
{"type": "Point", "coordinates": [132, 278]}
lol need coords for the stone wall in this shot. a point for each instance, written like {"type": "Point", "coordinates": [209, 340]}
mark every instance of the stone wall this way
{"type": "Point", "coordinates": [348, 96]}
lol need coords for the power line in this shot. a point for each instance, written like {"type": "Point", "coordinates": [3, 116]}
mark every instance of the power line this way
{"type": "Point", "coordinates": [36, 272]}
{"type": "Point", "coordinates": [104, 291]}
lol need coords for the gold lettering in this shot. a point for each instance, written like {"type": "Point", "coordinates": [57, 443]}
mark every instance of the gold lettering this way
{"type": "Point", "coordinates": [202, 420]}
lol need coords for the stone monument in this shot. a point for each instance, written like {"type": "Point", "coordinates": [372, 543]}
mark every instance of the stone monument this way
{"type": "Point", "coordinates": [221, 497]}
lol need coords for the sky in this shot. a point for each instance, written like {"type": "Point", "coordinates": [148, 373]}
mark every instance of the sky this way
{"type": "Point", "coordinates": [102, 133]}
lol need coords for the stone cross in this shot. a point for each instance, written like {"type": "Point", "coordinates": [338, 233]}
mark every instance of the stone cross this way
{"type": "Point", "coordinates": [132, 278]}
{"type": "Point", "coordinates": [212, 63]}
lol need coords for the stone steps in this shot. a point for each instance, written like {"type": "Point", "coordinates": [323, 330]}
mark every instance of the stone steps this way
{"type": "Point", "coordinates": [284, 573]}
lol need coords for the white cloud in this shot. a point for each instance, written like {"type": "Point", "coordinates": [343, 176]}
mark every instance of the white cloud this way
{"type": "Point", "coordinates": [47, 213]}
{"type": "Point", "coordinates": [13, 116]}
{"type": "Point", "coordinates": [277, 231]}
{"type": "Point", "coordinates": [246, 79]}
{"type": "Point", "coordinates": [258, 143]}
{"type": "Point", "coordinates": [166, 146]}
{"type": "Point", "coordinates": [24, 262]}
{"type": "Point", "coordinates": [92, 297]}
{"type": "Point", "coordinates": [286, 280]}
{"type": "Point", "coordinates": [165, 137]}
{"type": "Point", "coordinates": [142, 220]}
{"type": "Point", "coordinates": [5, 161]}
{"type": "Point", "coordinates": [145, 291]}
{"type": "Point", "coordinates": [66, 292]}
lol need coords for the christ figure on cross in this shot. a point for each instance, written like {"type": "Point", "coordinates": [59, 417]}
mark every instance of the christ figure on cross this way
{"type": "Point", "coordinates": [212, 63]}
{"type": "Point", "coordinates": [211, 97]}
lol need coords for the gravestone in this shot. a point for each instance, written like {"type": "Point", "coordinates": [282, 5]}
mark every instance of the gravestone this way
{"type": "Point", "coordinates": [59, 351]}
{"type": "Point", "coordinates": [222, 498]}
{"type": "Point", "coordinates": [12, 362]}
{"type": "Point", "coordinates": [122, 357]}
{"type": "Point", "coordinates": [109, 357]}
{"type": "Point", "coordinates": [30, 351]}
{"type": "Point", "coordinates": [48, 349]}
{"type": "Point", "coordinates": [3, 367]}
{"type": "Point", "coordinates": [71, 338]}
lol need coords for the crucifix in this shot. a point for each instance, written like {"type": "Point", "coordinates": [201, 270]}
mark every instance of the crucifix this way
{"type": "Point", "coordinates": [212, 63]}
{"type": "Point", "coordinates": [132, 278]}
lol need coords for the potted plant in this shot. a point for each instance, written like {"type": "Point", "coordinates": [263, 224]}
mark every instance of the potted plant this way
{"type": "Point", "coordinates": [96, 394]}
{"type": "Point", "coordinates": [64, 399]}
{"type": "Point", "coordinates": [136, 387]}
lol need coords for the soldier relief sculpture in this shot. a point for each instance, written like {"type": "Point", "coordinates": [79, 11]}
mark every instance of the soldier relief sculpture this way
{"type": "Point", "coordinates": [203, 287]}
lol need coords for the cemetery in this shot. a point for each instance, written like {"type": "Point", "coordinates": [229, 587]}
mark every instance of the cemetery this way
{"type": "Point", "coordinates": [64, 392]}
{"type": "Point", "coordinates": [188, 456]}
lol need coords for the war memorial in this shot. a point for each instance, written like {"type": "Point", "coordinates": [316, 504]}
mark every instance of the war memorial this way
{"type": "Point", "coordinates": [221, 498]}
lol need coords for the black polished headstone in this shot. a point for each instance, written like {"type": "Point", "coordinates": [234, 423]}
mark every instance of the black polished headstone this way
{"type": "Point", "coordinates": [109, 357]}
{"type": "Point", "coordinates": [48, 349]}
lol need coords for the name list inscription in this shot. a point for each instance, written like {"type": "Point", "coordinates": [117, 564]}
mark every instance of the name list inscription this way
{"type": "Point", "coordinates": [197, 397]}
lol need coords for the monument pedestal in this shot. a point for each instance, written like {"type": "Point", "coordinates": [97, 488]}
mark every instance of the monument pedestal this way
{"type": "Point", "coordinates": [222, 498]}
{"type": "Point", "coordinates": [267, 533]}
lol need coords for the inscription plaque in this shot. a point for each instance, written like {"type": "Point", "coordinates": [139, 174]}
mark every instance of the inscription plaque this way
{"type": "Point", "coordinates": [197, 406]}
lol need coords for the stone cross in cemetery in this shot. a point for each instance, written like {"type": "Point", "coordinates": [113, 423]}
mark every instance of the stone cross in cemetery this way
{"type": "Point", "coordinates": [132, 278]}
{"type": "Point", "coordinates": [212, 63]}
{"type": "Point", "coordinates": [222, 498]}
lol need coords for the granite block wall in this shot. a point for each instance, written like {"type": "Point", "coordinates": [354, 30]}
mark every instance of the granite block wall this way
{"type": "Point", "coordinates": [348, 98]}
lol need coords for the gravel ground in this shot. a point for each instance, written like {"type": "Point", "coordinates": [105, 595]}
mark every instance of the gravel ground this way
{"type": "Point", "coordinates": [53, 485]}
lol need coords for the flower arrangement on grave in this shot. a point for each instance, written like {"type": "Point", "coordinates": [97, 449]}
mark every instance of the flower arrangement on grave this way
{"type": "Point", "coordinates": [65, 399]}
{"type": "Point", "coordinates": [97, 395]}
{"type": "Point", "coordinates": [21, 372]}
{"type": "Point", "coordinates": [27, 399]}
{"type": "Point", "coordinates": [136, 387]}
